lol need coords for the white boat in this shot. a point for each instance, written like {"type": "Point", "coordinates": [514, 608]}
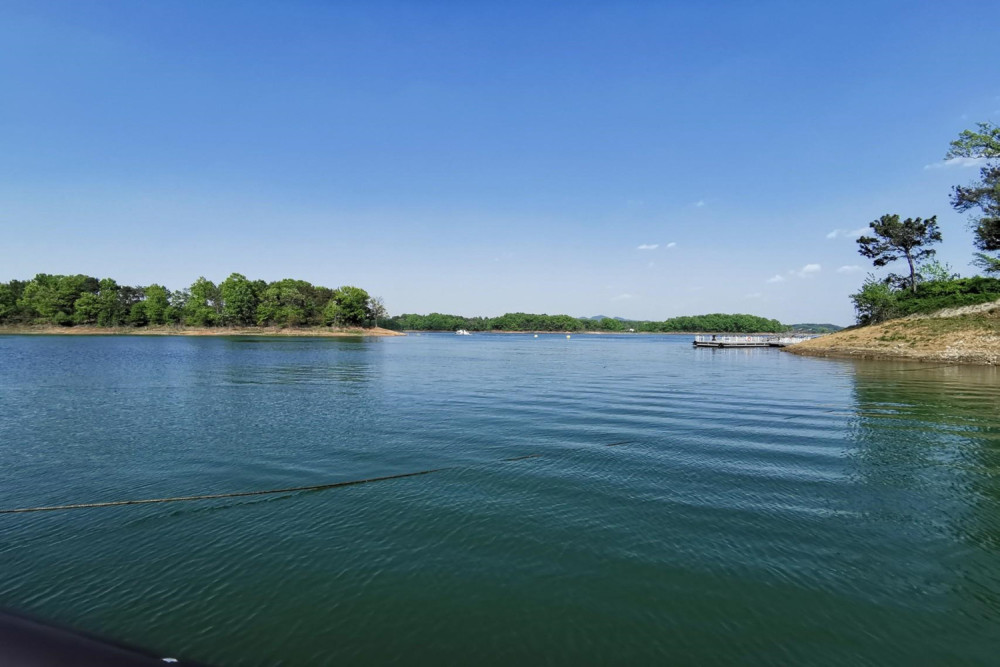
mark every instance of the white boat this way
{"type": "Point", "coordinates": [462, 332]}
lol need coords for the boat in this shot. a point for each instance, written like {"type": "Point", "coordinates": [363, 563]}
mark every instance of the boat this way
{"type": "Point", "coordinates": [462, 332]}
{"type": "Point", "coordinates": [27, 642]}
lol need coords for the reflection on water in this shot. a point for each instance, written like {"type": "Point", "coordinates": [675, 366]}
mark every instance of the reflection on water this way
{"type": "Point", "coordinates": [326, 360]}
{"type": "Point", "coordinates": [927, 458]}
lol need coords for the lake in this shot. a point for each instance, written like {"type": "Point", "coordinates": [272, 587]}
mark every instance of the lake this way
{"type": "Point", "coordinates": [756, 507]}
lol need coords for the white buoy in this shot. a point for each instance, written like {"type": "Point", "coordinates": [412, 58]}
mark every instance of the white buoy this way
{"type": "Point", "coordinates": [567, 335]}
{"type": "Point", "coordinates": [536, 335]}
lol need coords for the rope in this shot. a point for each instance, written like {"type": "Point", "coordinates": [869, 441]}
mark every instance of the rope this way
{"type": "Point", "coordinates": [238, 494]}
{"type": "Point", "coordinates": [243, 494]}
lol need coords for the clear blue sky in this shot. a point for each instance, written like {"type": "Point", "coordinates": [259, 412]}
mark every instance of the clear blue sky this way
{"type": "Point", "coordinates": [483, 157]}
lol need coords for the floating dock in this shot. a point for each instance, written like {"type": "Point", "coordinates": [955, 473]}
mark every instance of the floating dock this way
{"type": "Point", "coordinates": [718, 340]}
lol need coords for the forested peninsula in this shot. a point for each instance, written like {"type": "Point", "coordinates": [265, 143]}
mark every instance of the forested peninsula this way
{"type": "Point", "coordinates": [930, 313]}
{"type": "Point", "coordinates": [79, 301]}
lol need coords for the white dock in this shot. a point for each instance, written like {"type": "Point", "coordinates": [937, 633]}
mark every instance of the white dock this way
{"type": "Point", "coordinates": [719, 340]}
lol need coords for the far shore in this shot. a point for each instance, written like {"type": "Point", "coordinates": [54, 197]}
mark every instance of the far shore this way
{"type": "Point", "coordinates": [300, 332]}
{"type": "Point", "coordinates": [598, 333]}
{"type": "Point", "coordinates": [305, 332]}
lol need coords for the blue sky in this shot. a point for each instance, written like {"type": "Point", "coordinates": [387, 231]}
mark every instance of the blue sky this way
{"type": "Point", "coordinates": [479, 158]}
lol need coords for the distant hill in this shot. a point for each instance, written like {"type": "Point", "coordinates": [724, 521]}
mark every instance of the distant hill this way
{"type": "Point", "coordinates": [598, 318]}
{"type": "Point", "coordinates": [815, 328]}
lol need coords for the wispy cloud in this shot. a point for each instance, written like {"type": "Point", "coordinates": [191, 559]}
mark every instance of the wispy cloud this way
{"type": "Point", "coordinates": [648, 246]}
{"type": "Point", "coordinates": [672, 244]}
{"type": "Point", "coordinates": [623, 297]}
{"type": "Point", "coordinates": [698, 204]}
{"type": "Point", "coordinates": [849, 268]}
{"type": "Point", "coordinates": [807, 270]}
{"type": "Point", "coordinates": [962, 162]}
{"type": "Point", "coordinates": [776, 279]}
{"type": "Point", "coordinates": [847, 233]}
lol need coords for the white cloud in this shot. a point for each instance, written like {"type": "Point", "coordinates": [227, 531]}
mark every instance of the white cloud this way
{"type": "Point", "coordinates": [962, 162]}
{"type": "Point", "coordinates": [648, 246]}
{"type": "Point", "coordinates": [700, 203]}
{"type": "Point", "coordinates": [672, 244]}
{"type": "Point", "coordinates": [776, 279]}
{"type": "Point", "coordinates": [847, 233]}
{"type": "Point", "coordinates": [808, 270]}
{"type": "Point", "coordinates": [850, 268]}
{"type": "Point", "coordinates": [623, 297]}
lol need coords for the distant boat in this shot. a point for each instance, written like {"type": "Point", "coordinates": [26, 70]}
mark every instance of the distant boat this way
{"type": "Point", "coordinates": [462, 332]}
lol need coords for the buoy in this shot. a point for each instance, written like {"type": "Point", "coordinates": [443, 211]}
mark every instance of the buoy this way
{"type": "Point", "coordinates": [567, 335]}
{"type": "Point", "coordinates": [536, 335]}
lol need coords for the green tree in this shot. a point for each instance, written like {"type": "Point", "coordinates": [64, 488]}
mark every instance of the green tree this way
{"type": "Point", "coordinates": [111, 310]}
{"type": "Point", "coordinates": [984, 194]}
{"type": "Point", "coordinates": [895, 239]}
{"type": "Point", "coordinates": [53, 297]}
{"type": "Point", "coordinates": [239, 300]}
{"type": "Point", "coordinates": [933, 270]}
{"type": "Point", "coordinates": [8, 301]}
{"type": "Point", "coordinates": [201, 307]}
{"type": "Point", "coordinates": [157, 304]}
{"type": "Point", "coordinates": [331, 313]}
{"type": "Point", "coordinates": [87, 308]}
{"type": "Point", "coordinates": [178, 306]}
{"type": "Point", "coordinates": [352, 306]}
{"type": "Point", "coordinates": [287, 303]}
{"type": "Point", "coordinates": [139, 314]}
{"type": "Point", "coordinates": [377, 309]}
{"type": "Point", "coordinates": [875, 302]}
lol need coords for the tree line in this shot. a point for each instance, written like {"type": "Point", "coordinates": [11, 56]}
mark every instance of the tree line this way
{"type": "Point", "coordinates": [929, 285]}
{"type": "Point", "coordinates": [716, 322]}
{"type": "Point", "coordinates": [237, 301]}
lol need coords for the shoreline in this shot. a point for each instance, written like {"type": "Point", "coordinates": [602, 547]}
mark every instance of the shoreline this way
{"type": "Point", "coordinates": [312, 332]}
{"type": "Point", "coordinates": [968, 335]}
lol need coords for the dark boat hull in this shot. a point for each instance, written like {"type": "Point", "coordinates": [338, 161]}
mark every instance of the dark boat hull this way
{"type": "Point", "coordinates": [25, 642]}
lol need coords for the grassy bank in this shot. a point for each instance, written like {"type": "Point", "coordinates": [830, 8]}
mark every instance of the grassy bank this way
{"type": "Point", "coordinates": [52, 330]}
{"type": "Point", "coordinates": [966, 335]}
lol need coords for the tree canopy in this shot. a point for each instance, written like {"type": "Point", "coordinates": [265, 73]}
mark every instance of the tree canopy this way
{"type": "Point", "coordinates": [716, 322]}
{"type": "Point", "coordinates": [897, 239]}
{"type": "Point", "coordinates": [70, 300]}
{"type": "Point", "coordinates": [981, 197]}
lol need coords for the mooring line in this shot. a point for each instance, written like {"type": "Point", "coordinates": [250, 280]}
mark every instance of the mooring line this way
{"type": "Point", "coordinates": [243, 494]}
{"type": "Point", "coordinates": [237, 494]}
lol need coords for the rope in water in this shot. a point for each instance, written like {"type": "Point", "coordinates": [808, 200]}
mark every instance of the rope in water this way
{"type": "Point", "coordinates": [243, 494]}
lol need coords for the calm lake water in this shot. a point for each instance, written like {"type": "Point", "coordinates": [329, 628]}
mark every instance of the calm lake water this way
{"type": "Point", "coordinates": [765, 508]}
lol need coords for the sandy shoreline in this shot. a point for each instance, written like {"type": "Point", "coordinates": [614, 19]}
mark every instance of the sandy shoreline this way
{"type": "Point", "coordinates": [311, 332]}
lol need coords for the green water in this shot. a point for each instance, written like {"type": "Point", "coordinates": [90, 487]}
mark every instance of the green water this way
{"type": "Point", "coordinates": [765, 509]}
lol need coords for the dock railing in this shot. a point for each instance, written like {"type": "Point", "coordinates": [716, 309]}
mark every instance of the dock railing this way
{"type": "Point", "coordinates": [751, 340]}
{"type": "Point", "coordinates": [734, 340]}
